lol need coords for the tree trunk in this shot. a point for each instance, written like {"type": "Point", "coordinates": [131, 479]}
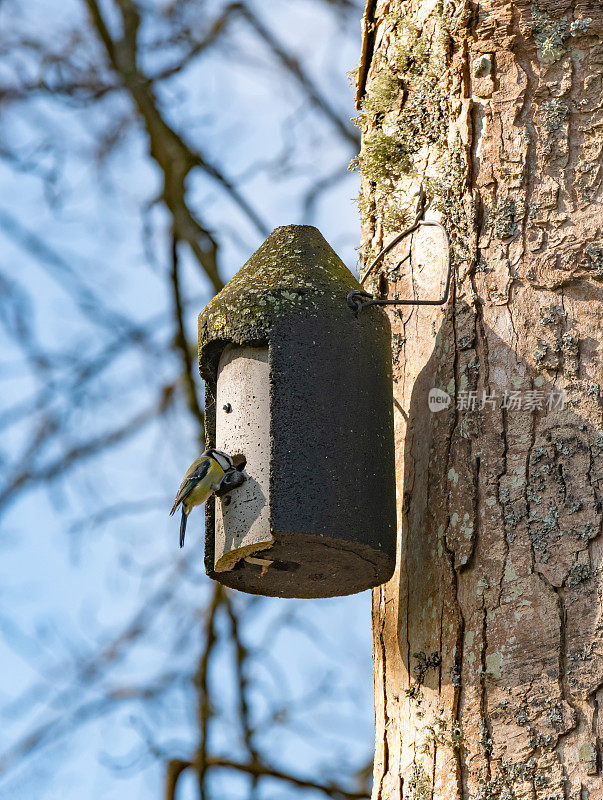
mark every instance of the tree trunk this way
{"type": "Point", "coordinates": [487, 641]}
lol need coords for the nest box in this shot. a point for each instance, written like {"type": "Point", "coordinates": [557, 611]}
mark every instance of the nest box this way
{"type": "Point", "coordinates": [300, 385]}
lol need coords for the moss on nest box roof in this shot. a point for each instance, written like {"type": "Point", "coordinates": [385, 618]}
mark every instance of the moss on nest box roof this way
{"type": "Point", "coordinates": [295, 271]}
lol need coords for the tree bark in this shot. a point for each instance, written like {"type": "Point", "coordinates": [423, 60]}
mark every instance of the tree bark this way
{"type": "Point", "coordinates": [487, 641]}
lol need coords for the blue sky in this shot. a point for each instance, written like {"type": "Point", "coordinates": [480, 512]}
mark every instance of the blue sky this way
{"type": "Point", "coordinates": [72, 574]}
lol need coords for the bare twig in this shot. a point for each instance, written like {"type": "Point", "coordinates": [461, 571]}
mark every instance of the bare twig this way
{"type": "Point", "coordinates": [287, 61]}
{"type": "Point", "coordinates": [198, 46]}
{"type": "Point", "coordinates": [293, 66]}
{"type": "Point", "coordinates": [181, 343]}
{"type": "Point", "coordinates": [29, 474]}
{"type": "Point", "coordinates": [65, 723]}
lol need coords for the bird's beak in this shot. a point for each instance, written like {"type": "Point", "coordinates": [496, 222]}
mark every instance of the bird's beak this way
{"type": "Point", "coordinates": [231, 479]}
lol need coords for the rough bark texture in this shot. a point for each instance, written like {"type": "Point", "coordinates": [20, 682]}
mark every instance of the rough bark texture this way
{"type": "Point", "coordinates": [487, 641]}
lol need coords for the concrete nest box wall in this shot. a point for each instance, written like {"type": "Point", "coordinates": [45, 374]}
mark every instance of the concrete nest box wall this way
{"type": "Point", "coordinates": [301, 386]}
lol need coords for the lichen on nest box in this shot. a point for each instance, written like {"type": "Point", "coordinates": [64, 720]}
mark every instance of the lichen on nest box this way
{"type": "Point", "coordinates": [294, 271]}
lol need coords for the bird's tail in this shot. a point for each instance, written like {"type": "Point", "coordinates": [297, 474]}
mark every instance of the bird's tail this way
{"type": "Point", "coordinates": [183, 520]}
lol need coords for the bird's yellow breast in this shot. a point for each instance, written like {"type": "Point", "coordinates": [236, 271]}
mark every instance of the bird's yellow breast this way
{"type": "Point", "coordinates": [202, 490]}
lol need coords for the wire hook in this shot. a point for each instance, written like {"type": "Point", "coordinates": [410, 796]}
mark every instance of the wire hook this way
{"type": "Point", "coordinates": [356, 299]}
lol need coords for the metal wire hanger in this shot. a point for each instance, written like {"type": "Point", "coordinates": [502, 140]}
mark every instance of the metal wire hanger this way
{"type": "Point", "coordinates": [359, 299]}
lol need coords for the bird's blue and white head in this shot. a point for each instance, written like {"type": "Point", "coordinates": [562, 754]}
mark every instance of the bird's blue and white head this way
{"type": "Point", "coordinates": [223, 459]}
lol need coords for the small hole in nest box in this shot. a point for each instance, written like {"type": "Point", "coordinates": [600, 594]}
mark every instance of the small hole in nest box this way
{"type": "Point", "coordinates": [239, 460]}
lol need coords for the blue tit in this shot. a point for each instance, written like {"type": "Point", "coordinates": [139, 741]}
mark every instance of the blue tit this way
{"type": "Point", "coordinates": [202, 478]}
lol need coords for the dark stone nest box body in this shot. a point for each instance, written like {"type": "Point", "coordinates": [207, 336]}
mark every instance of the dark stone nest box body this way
{"type": "Point", "coordinates": [301, 386]}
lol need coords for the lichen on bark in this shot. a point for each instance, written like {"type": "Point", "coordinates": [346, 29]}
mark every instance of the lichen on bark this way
{"type": "Point", "coordinates": [487, 641]}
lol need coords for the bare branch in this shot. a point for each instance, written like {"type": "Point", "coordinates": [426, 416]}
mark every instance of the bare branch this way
{"type": "Point", "coordinates": [177, 767]}
{"type": "Point", "coordinates": [241, 656]}
{"type": "Point", "coordinates": [27, 476]}
{"type": "Point", "coordinates": [290, 64]}
{"type": "Point", "coordinates": [175, 158]}
{"type": "Point", "coordinates": [201, 682]}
